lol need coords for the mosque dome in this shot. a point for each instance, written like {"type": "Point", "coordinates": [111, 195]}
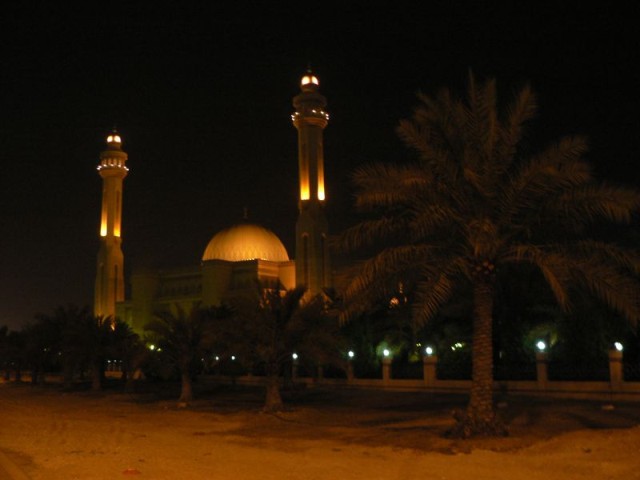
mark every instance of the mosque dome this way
{"type": "Point", "coordinates": [245, 242]}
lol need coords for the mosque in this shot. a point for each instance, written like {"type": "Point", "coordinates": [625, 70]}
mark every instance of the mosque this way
{"type": "Point", "coordinates": [234, 258]}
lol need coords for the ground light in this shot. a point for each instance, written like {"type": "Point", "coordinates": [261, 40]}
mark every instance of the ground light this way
{"type": "Point", "coordinates": [294, 355]}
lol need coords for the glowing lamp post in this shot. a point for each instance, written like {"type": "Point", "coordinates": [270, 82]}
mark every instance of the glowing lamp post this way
{"type": "Point", "coordinates": [350, 356]}
{"type": "Point", "coordinates": [294, 366]}
{"type": "Point", "coordinates": [616, 374]}
{"type": "Point", "coordinates": [542, 374]}
{"type": "Point", "coordinates": [429, 362]}
{"type": "Point", "coordinates": [386, 365]}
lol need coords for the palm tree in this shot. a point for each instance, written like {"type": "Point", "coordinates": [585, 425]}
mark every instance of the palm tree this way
{"type": "Point", "coordinates": [74, 348]}
{"type": "Point", "coordinates": [129, 349]}
{"type": "Point", "coordinates": [183, 337]}
{"type": "Point", "coordinates": [96, 335]}
{"type": "Point", "coordinates": [272, 325]}
{"type": "Point", "coordinates": [42, 340]}
{"type": "Point", "coordinates": [473, 202]}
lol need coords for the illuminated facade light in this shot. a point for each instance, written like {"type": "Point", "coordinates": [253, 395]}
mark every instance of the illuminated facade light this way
{"type": "Point", "coordinates": [307, 79]}
{"type": "Point", "coordinates": [304, 190]}
{"type": "Point", "coordinates": [320, 181]}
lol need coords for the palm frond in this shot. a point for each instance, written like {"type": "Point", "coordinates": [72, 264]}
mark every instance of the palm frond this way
{"type": "Point", "coordinates": [623, 258]}
{"type": "Point", "coordinates": [553, 265]}
{"type": "Point", "coordinates": [375, 278]}
{"type": "Point", "coordinates": [558, 169]}
{"type": "Point", "coordinates": [598, 202]}
{"type": "Point", "coordinates": [390, 261]}
{"type": "Point", "coordinates": [368, 232]}
{"type": "Point", "coordinates": [387, 184]}
{"type": "Point", "coordinates": [431, 218]}
{"type": "Point", "coordinates": [618, 290]}
{"type": "Point", "coordinates": [518, 113]}
{"type": "Point", "coordinates": [431, 295]}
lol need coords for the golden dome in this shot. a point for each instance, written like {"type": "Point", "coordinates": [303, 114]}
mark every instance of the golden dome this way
{"type": "Point", "coordinates": [245, 242]}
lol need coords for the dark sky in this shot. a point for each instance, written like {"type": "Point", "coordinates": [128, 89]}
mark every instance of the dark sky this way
{"type": "Point", "coordinates": [202, 99]}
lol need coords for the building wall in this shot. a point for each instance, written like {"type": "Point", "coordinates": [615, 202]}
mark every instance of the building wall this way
{"type": "Point", "coordinates": [210, 284]}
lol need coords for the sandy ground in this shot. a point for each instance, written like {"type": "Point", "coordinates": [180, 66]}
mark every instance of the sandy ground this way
{"type": "Point", "coordinates": [328, 434]}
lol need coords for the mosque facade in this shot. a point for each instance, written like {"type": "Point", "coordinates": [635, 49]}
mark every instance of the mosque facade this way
{"type": "Point", "coordinates": [235, 258]}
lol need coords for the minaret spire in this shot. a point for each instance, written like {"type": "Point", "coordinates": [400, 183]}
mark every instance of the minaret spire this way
{"type": "Point", "coordinates": [310, 119]}
{"type": "Point", "coordinates": [110, 275]}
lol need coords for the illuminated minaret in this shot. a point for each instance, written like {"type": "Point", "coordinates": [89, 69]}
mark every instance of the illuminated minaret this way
{"type": "Point", "coordinates": [310, 119]}
{"type": "Point", "coordinates": [109, 277]}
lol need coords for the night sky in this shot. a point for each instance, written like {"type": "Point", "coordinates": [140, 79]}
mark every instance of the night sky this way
{"type": "Point", "coordinates": [202, 99]}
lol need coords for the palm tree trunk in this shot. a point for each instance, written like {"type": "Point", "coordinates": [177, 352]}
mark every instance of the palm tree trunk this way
{"type": "Point", "coordinates": [186, 393]}
{"type": "Point", "coordinates": [273, 399]}
{"type": "Point", "coordinates": [67, 375]}
{"type": "Point", "coordinates": [480, 418]}
{"type": "Point", "coordinates": [96, 376]}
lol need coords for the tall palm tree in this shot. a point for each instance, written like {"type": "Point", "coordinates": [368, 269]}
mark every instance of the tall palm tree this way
{"type": "Point", "coordinates": [183, 337]}
{"type": "Point", "coordinates": [472, 202]}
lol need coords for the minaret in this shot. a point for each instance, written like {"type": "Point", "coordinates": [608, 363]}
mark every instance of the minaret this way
{"type": "Point", "coordinates": [310, 119]}
{"type": "Point", "coordinates": [110, 275]}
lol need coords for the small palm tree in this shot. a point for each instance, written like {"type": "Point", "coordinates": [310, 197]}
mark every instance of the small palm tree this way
{"type": "Point", "coordinates": [129, 349]}
{"type": "Point", "coordinates": [184, 337]}
{"type": "Point", "coordinates": [42, 340]}
{"type": "Point", "coordinates": [272, 325]}
{"type": "Point", "coordinates": [473, 202]}
{"type": "Point", "coordinates": [73, 347]}
{"type": "Point", "coordinates": [96, 336]}
{"type": "Point", "coordinates": [12, 352]}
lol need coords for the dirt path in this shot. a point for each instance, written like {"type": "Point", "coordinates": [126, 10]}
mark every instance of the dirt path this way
{"type": "Point", "coordinates": [357, 435]}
